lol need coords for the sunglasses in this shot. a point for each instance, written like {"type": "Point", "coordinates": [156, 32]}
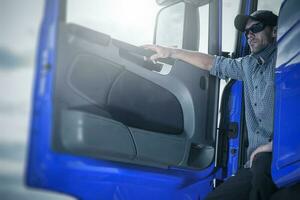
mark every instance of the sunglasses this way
{"type": "Point", "coordinates": [255, 28]}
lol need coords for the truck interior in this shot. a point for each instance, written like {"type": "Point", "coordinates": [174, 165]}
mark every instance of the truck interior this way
{"type": "Point", "coordinates": [106, 103]}
{"type": "Point", "coordinates": [109, 103]}
{"type": "Point", "coordinates": [114, 121]}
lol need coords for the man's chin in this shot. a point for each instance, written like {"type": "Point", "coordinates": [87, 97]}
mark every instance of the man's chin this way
{"type": "Point", "coordinates": [254, 49]}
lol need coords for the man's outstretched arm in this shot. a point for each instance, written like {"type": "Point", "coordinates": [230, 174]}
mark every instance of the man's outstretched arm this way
{"type": "Point", "coordinates": [201, 60]}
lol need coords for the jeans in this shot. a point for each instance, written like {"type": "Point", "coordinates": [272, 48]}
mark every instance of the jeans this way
{"type": "Point", "coordinates": [253, 183]}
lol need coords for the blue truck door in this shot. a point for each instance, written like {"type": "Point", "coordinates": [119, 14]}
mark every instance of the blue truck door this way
{"type": "Point", "coordinates": [286, 156]}
{"type": "Point", "coordinates": [108, 125]}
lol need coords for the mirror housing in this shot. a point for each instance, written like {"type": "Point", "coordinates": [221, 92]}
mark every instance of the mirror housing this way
{"type": "Point", "coordinates": [194, 2]}
{"type": "Point", "coordinates": [167, 2]}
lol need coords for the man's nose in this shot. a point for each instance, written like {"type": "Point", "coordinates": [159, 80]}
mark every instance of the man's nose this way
{"type": "Point", "coordinates": [250, 34]}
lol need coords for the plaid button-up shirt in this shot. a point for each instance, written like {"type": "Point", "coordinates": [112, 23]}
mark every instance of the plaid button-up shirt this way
{"type": "Point", "coordinates": [257, 73]}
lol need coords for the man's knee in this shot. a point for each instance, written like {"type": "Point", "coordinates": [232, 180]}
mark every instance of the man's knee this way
{"type": "Point", "coordinates": [262, 183]}
{"type": "Point", "coordinates": [262, 163]}
{"type": "Point", "coordinates": [228, 189]}
{"type": "Point", "coordinates": [260, 179]}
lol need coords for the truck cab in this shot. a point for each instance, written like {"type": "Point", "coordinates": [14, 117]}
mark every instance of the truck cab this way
{"type": "Point", "coordinates": [107, 124]}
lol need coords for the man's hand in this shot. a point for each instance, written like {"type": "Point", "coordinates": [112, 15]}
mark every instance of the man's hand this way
{"type": "Point", "coordinates": [161, 52]}
{"type": "Point", "coordinates": [262, 148]}
{"type": "Point", "coordinates": [201, 60]}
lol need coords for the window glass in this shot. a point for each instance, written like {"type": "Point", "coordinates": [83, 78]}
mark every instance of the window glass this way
{"type": "Point", "coordinates": [203, 25]}
{"type": "Point", "coordinates": [170, 26]}
{"type": "Point", "coordinates": [230, 9]}
{"type": "Point", "coordinates": [273, 5]}
{"type": "Point", "coordinates": [131, 20]}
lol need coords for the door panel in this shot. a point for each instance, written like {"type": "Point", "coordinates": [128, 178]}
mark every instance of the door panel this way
{"type": "Point", "coordinates": [286, 161]}
{"type": "Point", "coordinates": [112, 108]}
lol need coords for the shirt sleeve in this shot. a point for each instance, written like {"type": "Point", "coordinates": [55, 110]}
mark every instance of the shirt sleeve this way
{"type": "Point", "coordinates": [225, 68]}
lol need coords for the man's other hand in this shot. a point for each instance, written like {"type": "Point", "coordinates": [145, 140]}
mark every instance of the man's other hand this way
{"type": "Point", "coordinates": [263, 148]}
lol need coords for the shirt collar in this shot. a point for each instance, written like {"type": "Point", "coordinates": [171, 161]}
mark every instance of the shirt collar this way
{"type": "Point", "coordinates": [264, 55]}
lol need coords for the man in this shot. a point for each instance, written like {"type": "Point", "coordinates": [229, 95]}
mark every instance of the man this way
{"type": "Point", "coordinates": [257, 72]}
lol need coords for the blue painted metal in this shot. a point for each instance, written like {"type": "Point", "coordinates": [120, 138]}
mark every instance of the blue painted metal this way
{"type": "Point", "coordinates": [235, 117]}
{"type": "Point", "coordinates": [86, 178]}
{"type": "Point", "coordinates": [286, 148]}
{"type": "Point", "coordinates": [236, 106]}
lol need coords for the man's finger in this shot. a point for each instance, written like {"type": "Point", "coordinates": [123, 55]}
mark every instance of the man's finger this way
{"type": "Point", "coordinates": [251, 158]}
{"type": "Point", "coordinates": [149, 46]}
{"type": "Point", "coordinates": [146, 58]}
{"type": "Point", "coordinates": [154, 57]}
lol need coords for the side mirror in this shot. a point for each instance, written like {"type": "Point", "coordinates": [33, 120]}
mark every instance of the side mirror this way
{"type": "Point", "coordinates": [169, 26]}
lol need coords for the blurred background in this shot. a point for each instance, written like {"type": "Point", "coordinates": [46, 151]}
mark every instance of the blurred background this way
{"type": "Point", "coordinates": [19, 22]}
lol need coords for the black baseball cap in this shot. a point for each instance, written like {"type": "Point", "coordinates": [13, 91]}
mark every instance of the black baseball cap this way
{"type": "Point", "coordinates": [265, 16]}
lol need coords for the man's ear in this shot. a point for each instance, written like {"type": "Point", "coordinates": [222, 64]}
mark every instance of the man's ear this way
{"type": "Point", "coordinates": [274, 32]}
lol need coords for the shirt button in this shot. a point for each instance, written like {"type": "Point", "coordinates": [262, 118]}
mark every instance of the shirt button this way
{"type": "Point", "coordinates": [255, 104]}
{"type": "Point", "coordinates": [256, 87]}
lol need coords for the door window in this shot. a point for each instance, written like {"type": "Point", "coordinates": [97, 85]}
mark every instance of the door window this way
{"type": "Point", "coordinates": [230, 9]}
{"type": "Point", "coordinates": [131, 20]}
{"type": "Point", "coordinates": [273, 5]}
{"type": "Point", "coordinates": [203, 26]}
